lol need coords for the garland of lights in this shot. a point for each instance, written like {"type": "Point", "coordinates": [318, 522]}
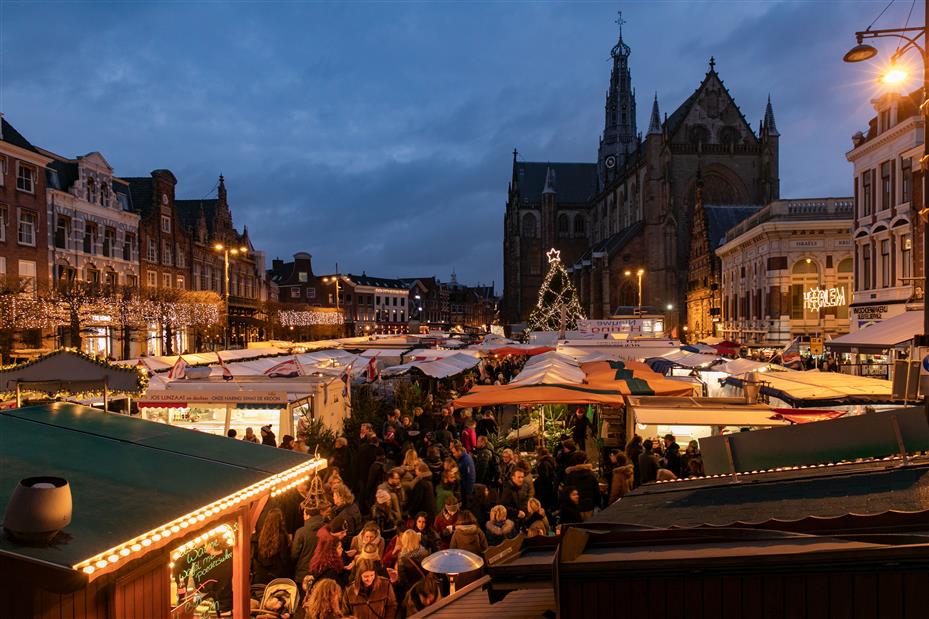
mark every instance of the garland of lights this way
{"type": "Point", "coordinates": [557, 299]}
{"type": "Point", "coordinates": [141, 375]}
{"type": "Point", "coordinates": [309, 318]}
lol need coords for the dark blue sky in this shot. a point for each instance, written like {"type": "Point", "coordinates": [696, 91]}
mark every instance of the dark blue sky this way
{"type": "Point", "coordinates": [379, 135]}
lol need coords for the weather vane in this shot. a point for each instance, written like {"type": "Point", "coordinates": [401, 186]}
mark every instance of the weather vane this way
{"type": "Point", "coordinates": [620, 21]}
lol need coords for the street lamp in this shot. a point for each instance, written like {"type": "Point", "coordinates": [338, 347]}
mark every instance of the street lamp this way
{"type": "Point", "coordinates": [896, 75]}
{"type": "Point", "coordinates": [227, 251]}
{"type": "Point", "coordinates": [639, 274]}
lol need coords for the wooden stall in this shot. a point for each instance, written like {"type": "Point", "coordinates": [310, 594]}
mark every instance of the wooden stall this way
{"type": "Point", "coordinates": [161, 517]}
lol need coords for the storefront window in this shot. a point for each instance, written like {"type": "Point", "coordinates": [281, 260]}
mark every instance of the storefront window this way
{"type": "Point", "coordinates": [201, 575]}
{"type": "Point", "coordinates": [96, 341]}
{"type": "Point", "coordinates": [804, 275]}
{"type": "Point", "coordinates": [844, 281]}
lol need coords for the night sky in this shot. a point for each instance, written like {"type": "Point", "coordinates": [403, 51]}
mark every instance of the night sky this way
{"type": "Point", "coordinates": [379, 134]}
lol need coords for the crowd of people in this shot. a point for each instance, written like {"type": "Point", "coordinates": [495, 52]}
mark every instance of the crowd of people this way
{"type": "Point", "coordinates": [425, 481]}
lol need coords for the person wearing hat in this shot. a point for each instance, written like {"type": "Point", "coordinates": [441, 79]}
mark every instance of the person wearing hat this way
{"type": "Point", "coordinates": [385, 513]}
{"type": "Point", "coordinates": [327, 561]}
{"type": "Point", "coordinates": [305, 540]}
{"type": "Point", "coordinates": [672, 454]}
{"type": "Point", "coordinates": [267, 436]}
{"type": "Point", "coordinates": [445, 522]}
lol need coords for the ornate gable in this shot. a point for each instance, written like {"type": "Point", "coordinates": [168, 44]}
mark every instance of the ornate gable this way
{"type": "Point", "coordinates": [710, 116]}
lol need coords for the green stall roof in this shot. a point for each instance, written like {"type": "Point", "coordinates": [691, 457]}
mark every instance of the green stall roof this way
{"type": "Point", "coordinates": [127, 476]}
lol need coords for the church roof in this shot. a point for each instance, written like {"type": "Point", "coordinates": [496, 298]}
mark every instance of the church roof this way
{"type": "Point", "coordinates": [574, 182]}
{"type": "Point", "coordinates": [615, 242]}
{"type": "Point", "coordinates": [722, 218]}
{"type": "Point", "coordinates": [675, 120]}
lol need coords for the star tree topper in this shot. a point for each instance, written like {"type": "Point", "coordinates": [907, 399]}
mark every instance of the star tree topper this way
{"type": "Point", "coordinates": [554, 255]}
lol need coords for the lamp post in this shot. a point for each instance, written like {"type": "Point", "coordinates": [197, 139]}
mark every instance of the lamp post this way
{"type": "Point", "coordinates": [227, 251]}
{"type": "Point", "coordinates": [335, 279]}
{"type": "Point", "coordinates": [639, 274]}
{"type": "Point", "coordinates": [896, 75]}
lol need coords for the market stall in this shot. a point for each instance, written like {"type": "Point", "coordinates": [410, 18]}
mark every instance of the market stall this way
{"type": "Point", "coordinates": [442, 367]}
{"type": "Point", "coordinates": [815, 389]}
{"type": "Point", "coordinates": [137, 520]}
{"type": "Point", "coordinates": [872, 350]}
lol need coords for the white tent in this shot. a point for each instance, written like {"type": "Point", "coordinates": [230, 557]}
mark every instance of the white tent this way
{"type": "Point", "coordinates": [885, 334]}
{"type": "Point", "coordinates": [739, 367]}
{"type": "Point", "coordinates": [689, 359]}
{"type": "Point", "coordinates": [550, 368]}
{"type": "Point", "coordinates": [436, 368]}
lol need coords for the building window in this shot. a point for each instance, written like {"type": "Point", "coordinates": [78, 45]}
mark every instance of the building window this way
{"type": "Point", "coordinates": [867, 193]}
{"type": "Point", "coordinates": [152, 251]}
{"type": "Point", "coordinates": [563, 225]}
{"type": "Point", "coordinates": [302, 277]}
{"type": "Point", "coordinates": [2, 265]}
{"type": "Point", "coordinates": [131, 281]}
{"type": "Point", "coordinates": [804, 275]}
{"type": "Point", "coordinates": [180, 282]}
{"type": "Point", "coordinates": [109, 243]}
{"type": "Point", "coordinates": [104, 195]}
{"type": "Point", "coordinates": [90, 238]}
{"type": "Point", "coordinates": [111, 279]}
{"type": "Point", "coordinates": [529, 226]}
{"type": "Point", "coordinates": [886, 186]}
{"type": "Point", "coordinates": [906, 179]}
{"type": "Point", "coordinates": [27, 228]}
{"type": "Point", "coordinates": [885, 264]}
{"type": "Point", "coordinates": [62, 232]}
{"type": "Point", "coordinates": [165, 280]}
{"type": "Point", "coordinates": [295, 292]}
{"type": "Point", "coordinates": [151, 278]}
{"type": "Point", "coordinates": [93, 275]}
{"type": "Point", "coordinates": [906, 258]}
{"type": "Point", "coordinates": [844, 281]}
{"type": "Point", "coordinates": [181, 259]}
{"type": "Point", "coordinates": [884, 120]}
{"type": "Point", "coordinates": [166, 253]}
{"type": "Point", "coordinates": [27, 274]}
{"type": "Point", "coordinates": [866, 267]}
{"type": "Point", "coordinates": [128, 242]}
{"type": "Point", "coordinates": [311, 292]}
{"type": "Point", "coordinates": [25, 177]}
{"type": "Point", "coordinates": [166, 224]}
{"type": "Point", "coordinates": [2, 171]}
{"type": "Point", "coordinates": [4, 216]}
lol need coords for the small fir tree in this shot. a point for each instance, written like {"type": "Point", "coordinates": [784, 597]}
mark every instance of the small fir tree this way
{"type": "Point", "coordinates": [558, 305]}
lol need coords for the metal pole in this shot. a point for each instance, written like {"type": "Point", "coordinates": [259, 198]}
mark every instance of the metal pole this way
{"type": "Point", "coordinates": [925, 173]}
{"type": "Point", "coordinates": [226, 271]}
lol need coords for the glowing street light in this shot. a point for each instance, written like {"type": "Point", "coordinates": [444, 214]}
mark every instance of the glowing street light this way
{"type": "Point", "coordinates": [235, 251]}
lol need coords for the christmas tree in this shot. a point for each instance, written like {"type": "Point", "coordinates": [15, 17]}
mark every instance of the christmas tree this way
{"type": "Point", "coordinates": [558, 306]}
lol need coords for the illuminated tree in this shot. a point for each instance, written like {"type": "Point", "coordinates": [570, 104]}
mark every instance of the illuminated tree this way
{"type": "Point", "coordinates": [21, 310]}
{"type": "Point", "coordinates": [557, 306]}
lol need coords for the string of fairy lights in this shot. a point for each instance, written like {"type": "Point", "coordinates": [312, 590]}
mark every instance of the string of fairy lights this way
{"type": "Point", "coordinates": [558, 300]}
{"type": "Point", "coordinates": [309, 318]}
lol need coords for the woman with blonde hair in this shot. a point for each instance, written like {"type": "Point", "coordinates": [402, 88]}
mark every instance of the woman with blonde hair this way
{"type": "Point", "coordinates": [536, 521]}
{"type": "Point", "coordinates": [499, 528]}
{"type": "Point", "coordinates": [409, 561]}
{"type": "Point", "coordinates": [325, 601]}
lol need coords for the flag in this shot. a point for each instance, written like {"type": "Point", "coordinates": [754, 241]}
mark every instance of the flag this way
{"type": "Point", "coordinates": [179, 370]}
{"type": "Point", "coordinates": [346, 378]}
{"type": "Point", "coordinates": [285, 369]}
{"type": "Point", "coordinates": [227, 373]}
{"type": "Point", "coordinates": [791, 352]}
{"type": "Point", "coordinates": [372, 369]}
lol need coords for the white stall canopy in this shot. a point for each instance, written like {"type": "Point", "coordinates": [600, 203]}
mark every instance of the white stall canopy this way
{"type": "Point", "coordinates": [889, 333]}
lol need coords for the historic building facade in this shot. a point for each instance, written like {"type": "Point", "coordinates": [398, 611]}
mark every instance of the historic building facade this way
{"type": "Point", "coordinates": [787, 272]}
{"type": "Point", "coordinates": [640, 194]}
{"type": "Point", "coordinates": [888, 197]}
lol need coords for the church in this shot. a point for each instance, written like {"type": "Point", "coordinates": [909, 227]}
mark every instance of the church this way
{"type": "Point", "coordinates": [636, 208]}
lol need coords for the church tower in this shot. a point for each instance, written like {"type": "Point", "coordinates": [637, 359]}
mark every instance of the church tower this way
{"type": "Point", "coordinates": [619, 133]}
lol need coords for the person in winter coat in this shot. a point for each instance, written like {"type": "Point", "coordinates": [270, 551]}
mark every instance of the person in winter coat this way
{"type": "Point", "coordinates": [469, 435]}
{"type": "Point", "coordinates": [465, 469]}
{"type": "Point", "coordinates": [368, 451]}
{"type": "Point", "coordinates": [327, 561]}
{"type": "Point", "coordinates": [344, 506]}
{"type": "Point", "coordinates": [267, 436]}
{"type": "Point", "coordinates": [485, 463]}
{"type": "Point", "coordinates": [581, 475]}
{"type": "Point", "coordinates": [370, 534]}
{"type": "Point", "coordinates": [568, 511]}
{"type": "Point", "coordinates": [621, 482]}
{"type": "Point", "coordinates": [272, 558]}
{"type": "Point", "coordinates": [546, 480]}
{"type": "Point", "coordinates": [450, 486]}
{"type": "Point", "coordinates": [648, 463]}
{"type": "Point", "coordinates": [499, 528]}
{"type": "Point", "coordinates": [385, 515]}
{"type": "Point", "coordinates": [370, 596]}
{"type": "Point", "coordinates": [325, 601]}
{"type": "Point", "coordinates": [422, 595]}
{"type": "Point", "coordinates": [445, 522]}
{"type": "Point", "coordinates": [480, 504]}
{"type": "Point", "coordinates": [514, 496]}
{"type": "Point", "coordinates": [468, 535]}
{"type": "Point", "coordinates": [421, 497]}
{"type": "Point", "coordinates": [536, 520]}
{"type": "Point", "coordinates": [672, 454]}
{"type": "Point", "coordinates": [506, 466]}
{"type": "Point", "coordinates": [409, 561]}
{"type": "Point", "coordinates": [342, 459]}
{"type": "Point", "coordinates": [579, 428]}
{"type": "Point", "coordinates": [395, 486]}
{"type": "Point", "coordinates": [301, 550]}
{"type": "Point", "coordinates": [434, 461]}
{"type": "Point", "coordinates": [486, 425]}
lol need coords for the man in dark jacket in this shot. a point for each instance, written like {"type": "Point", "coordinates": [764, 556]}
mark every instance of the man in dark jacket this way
{"type": "Point", "coordinates": [465, 468]}
{"type": "Point", "coordinates": [486, 425]}
{"type": "Point", "coordinates": [579, 426]}
{"type": "Point", "coordinates": [581, 476]}
{"type": "Point", "coordinates": [485, 465]}
{"type": "Point", "coordinates": [648, 463]}
{"type": "Point", "coordinates": [514, 496]}
{"type": "Point", "coordinates": [672, 454]}
{"type": "Point", "coordinates": [368, 451]}
{"type": "Point", "coordinates": [421, 497]}
{"type": "Point", "coordinates": [301, 550]}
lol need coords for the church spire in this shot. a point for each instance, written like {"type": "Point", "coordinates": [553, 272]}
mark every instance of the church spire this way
{"type": "Point", "coordinates": [769, 124]}
{"type": "Point", "coordinates": [654, 126]}
{"type": "Point", "coordinates": [620, 137]}
{"type": "Point", "coordinates": [549, 181]}
{"type": "Point", "coordinates": [221, 189]}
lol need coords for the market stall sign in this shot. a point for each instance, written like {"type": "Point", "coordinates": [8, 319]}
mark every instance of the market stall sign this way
{"type": "Point", "coordinates": [274, 399]}
{"type": "Point", "coordinates": [816, 298]}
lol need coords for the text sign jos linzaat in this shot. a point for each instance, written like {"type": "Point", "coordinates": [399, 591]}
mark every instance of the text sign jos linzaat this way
{"type": "Point", "coordinates": [174, 396]}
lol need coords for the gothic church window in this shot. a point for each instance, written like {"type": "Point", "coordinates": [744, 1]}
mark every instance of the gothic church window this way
{"type": "Point", "coordinates": [529, 226]}
{"type": "Point", "coordinates": [699, 134]}
{"type": "Point", "coordinates": [562, 225]}
{"type": "Point", "coordinates": [579, 227]}
{"type": "Point", "coordinates": [729, 135]}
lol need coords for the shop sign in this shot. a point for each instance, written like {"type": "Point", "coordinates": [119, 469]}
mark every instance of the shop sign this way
{"type": "Point", "coordinates": [807, 244]}
{"type": "Point", "coordinates": [865, 313]}
{"type": "Point", "coordinates": [274, 399]}
{"type": "Point", "coordinates": [816, 298]}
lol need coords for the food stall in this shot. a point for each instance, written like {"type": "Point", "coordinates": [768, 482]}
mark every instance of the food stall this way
{"type": "Point", "coordinates": [137, 520]}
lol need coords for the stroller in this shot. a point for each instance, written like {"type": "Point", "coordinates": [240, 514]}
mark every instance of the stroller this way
{"type": "Point", "coordinates": [281, 598]}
